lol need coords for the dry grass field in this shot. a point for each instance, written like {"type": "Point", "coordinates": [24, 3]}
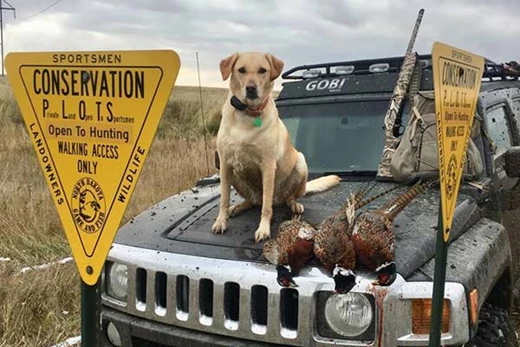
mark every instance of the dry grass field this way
{"type": "Point", "coordinates": [41, 308]}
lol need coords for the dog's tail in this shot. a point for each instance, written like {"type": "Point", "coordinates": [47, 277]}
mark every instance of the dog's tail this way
{"type": "Point", "coordinates": [321, 184]}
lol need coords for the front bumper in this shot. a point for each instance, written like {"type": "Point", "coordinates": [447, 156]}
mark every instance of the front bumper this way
{"type": "Point", "coordinates": [139, 332]}
{"type": "Point", "coordinates": [165, 304]}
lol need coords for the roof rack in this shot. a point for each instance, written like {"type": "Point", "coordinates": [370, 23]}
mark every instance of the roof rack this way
{"type": "Point", "coordinates": [499, 71]}
{"type": "Point", "coordinates": [392, 64]}
{"type": "Point", "coordinates": [360, 67]}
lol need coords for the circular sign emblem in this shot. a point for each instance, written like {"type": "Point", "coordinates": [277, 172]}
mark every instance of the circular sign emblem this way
{"type": "Point", "coordinates": [451, 177]}
{"type": "Point", "coordinates": [88, 205]}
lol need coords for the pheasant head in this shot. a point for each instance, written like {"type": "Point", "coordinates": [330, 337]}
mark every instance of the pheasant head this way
{"type": "Point", "coordinates": [344, 280]}
{"type": "Point", "coordinates": [285, 276]}
{"type": "Point", "coordinates": [386, 274]}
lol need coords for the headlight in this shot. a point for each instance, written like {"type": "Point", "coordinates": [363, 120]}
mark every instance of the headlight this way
{"type": "Point", "coordinates": [348, 314]}
{"type": "Point", "coordinates": [117, 281]}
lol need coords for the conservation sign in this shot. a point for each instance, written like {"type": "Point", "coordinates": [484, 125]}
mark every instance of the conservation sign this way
{"type": "Point", "coordinates": [92, 117]}
{"type": "Point", "coordinates": [457, 77]}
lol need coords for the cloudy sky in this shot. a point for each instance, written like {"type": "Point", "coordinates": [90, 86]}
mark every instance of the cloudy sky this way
{"type": "Point", "coordinates": [296, 31]}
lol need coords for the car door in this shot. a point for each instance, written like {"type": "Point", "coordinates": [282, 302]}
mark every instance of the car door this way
{"type": "Point", "coordinates": [499, 121]}
{"type": "Point", "coordinates": [515, 105]}
{"type": "Point", "coordinates": [502, 118]}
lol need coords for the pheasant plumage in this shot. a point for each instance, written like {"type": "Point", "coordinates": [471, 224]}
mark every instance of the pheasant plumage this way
{"type": "Point", "coordinates": [332, 244]}
{"type": "Point", "coordinates": [373, 235]}
{"type": "Point", "coordinates": [291, 249]}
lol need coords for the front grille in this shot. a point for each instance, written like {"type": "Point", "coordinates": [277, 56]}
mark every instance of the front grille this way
{"type": "Point", "coordinates": [183, 297]}
{"type": "Point", "coordinates": [231, 304]}
{"type": "Point", "coordinates": [140, 289]}
{"type": "Point", "coordinates": [206, 300]}
{"type": "Point", "coordinates": [226, 306]}
{"type": "Point", "coordinates": [289, 309]}
{"type": "Point", "coordinates": [259, 305]}
{"type": "Point", "coordinates": [160, 293]}
{"type": "Point", "coordinates": [239, 300]}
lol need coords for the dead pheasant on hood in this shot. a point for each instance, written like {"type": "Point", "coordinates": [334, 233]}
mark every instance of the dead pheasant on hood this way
{"type": "Point", "coordinates": [373, 235]}
{"type": "Point", "coordinates": [333, 246]}
{"type": "Point", "coordinates": [291, 249]}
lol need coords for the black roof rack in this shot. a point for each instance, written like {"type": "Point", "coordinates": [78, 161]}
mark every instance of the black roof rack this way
{"type": "Point", "coordinates": [493, 70]}
{"type": "Point", "coordinates": [361, 67]}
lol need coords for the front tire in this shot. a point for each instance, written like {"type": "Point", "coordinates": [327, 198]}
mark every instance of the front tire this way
{"type": "Point", "coordinates": [495, 329]}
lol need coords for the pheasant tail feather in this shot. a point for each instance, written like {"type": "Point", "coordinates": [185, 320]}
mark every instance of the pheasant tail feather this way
{"type": "Point", "coordinates": [394, 207]}
{"type": "Point", "coordinates": [375, 197]}
{"type": "Point", "coordinates": [356, 197]}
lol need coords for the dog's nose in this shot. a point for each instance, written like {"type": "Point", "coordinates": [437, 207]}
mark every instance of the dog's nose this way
{"type": "Point", "coordinates": [251, 91]}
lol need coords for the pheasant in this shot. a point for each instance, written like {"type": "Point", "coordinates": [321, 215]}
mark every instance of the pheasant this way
{"type": "Point", "coordinates": [373, 235]}
{"type": "Point", "coordinates": [291, 249]}
{"type": "Point", "coordinates": [332, 244]}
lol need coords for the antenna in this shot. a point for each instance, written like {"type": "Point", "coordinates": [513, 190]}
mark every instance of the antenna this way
{"type": "Point", "coordinates": [202, 113]}
{"type": "Point", "coordinates": [2, 8]}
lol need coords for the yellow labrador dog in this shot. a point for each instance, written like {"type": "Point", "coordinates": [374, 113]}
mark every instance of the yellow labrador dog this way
{"type": "Point", "coordinates": [256, 155]}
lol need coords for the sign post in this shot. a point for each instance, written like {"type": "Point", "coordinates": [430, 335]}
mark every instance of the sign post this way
{"type": "Point", "coordinates": [92, 117]}
{"type": "Point", "coordinates": [457, 77]}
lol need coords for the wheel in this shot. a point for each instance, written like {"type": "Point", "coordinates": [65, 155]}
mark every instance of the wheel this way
{"type": "Point", "coordinates": [495, 329]}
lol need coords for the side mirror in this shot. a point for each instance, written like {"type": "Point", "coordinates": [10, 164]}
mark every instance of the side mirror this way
{"type": "Point", "coordinates": [217, 160]}
{"type": "Point", "coordinates": [512, 162]}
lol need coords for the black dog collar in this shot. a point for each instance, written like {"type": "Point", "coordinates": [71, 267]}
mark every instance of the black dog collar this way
{"type": "Point", "coordinates": [239, 105]}
{"type": "Point", "coordinates": [249, 111]}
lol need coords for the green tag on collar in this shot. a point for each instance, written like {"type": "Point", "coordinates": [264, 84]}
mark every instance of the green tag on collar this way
{"type": "Point", "coordinates": [257, 122]}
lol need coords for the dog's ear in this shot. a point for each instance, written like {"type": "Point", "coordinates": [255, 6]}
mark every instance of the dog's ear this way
{"type": "Point", "coordinates": [226, 65]}
{"type": "Point", "coordinates": [276, 66]}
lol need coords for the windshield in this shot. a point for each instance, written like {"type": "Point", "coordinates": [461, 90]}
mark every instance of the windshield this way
{"type": "Point", "coordinates": [338, 137]}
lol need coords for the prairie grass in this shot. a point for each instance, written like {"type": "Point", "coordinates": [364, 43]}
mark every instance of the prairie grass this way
{"type": "Point", "coordinates": [41, 308]}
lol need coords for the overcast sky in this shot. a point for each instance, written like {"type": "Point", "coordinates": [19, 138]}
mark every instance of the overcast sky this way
{"type": "Point", "coordinates": [296, 31]}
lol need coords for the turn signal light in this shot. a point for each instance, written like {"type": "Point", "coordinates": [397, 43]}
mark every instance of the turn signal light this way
{"type": "Point", "coordinates": [473, 306]}
{"type": "Point", "coordinates": [421, 316]}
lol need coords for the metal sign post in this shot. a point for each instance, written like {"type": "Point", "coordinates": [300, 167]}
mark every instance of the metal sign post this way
{"type": "Point", "coordinates": [90, 314]}
{"type": "Point", "coordinates": [439, 279]}
{"type": "Point", "coordinates": [92, 117]}
{"type": "Point", "coordinates": [457, 76]}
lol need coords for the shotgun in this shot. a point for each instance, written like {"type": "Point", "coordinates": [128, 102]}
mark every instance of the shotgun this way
{"type": "Point", "coordinates": [394, 108]}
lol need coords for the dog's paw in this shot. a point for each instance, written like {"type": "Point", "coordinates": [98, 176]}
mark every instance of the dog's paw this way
{"type": "Point", "coordinates": [262, 233]}
{"type": "Point", "coordinates": [234, 210]}
{"type": "Point", "coordinates": [297, 208]}
{"type": "Point", "coordinates": [237, 209]}
{"type": "Point", "coordinates": [219, 226]}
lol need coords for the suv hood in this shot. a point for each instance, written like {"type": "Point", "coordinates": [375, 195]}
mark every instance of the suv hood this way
{"type": "Point", "coordinates": [181, 224]}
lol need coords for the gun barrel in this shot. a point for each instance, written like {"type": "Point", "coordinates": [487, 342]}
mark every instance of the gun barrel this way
{"type": "Point", "coordinates": [394, 108]}
{"type": "Point", "coordinates": [411, 43]}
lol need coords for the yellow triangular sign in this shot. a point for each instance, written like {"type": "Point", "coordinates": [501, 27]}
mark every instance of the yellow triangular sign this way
{"type": "Point", "coordinates": [92, 117]}
{"type": "Point", "coordinates": [457, 76]}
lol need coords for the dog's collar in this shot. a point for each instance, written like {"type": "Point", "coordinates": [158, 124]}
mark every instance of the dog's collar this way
{"type": "Point", "coordinates": [254, 112]}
